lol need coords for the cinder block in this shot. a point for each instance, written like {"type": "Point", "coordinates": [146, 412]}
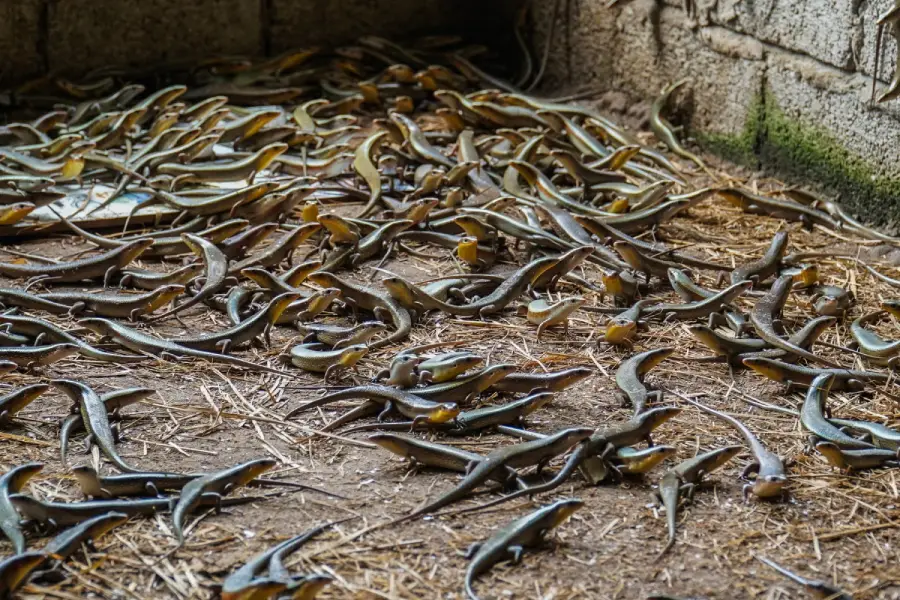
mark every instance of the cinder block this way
{"type": "Point", "coordinates": [20, 41]}
{"type": "Point", "coordinates": [318, 22]}
{"type": "Point", "coordinates": [822, 29]}
{"type": "Point", "coordinates": [725, 69]}
{"type": "Point", "coordinates": [836, 102]}
{"type": "Point", "coordinates": [86, 34]}
{"type": "Point", "coordinates": [820, 128]}
{"type": "Point", "coordinates": [864, 40]}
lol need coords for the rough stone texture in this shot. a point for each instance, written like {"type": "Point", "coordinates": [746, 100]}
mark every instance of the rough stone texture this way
{"type": "Point", "coordinates": [725, 69]}
{"type": "Point", "coordinates": [836, 102]}
{"type": "Point", "coordinates": [825, 29]}
{"type": "Point", "coordinates": [820, 28]}
{"type": "Point", "coordinates": [864, 40]}
{"type": "Point", "coordinates": [87, 34]}
{"type": "Point", "coordinates": [21, 39]}
{"type": "Point", "coordinates": [818, 125]}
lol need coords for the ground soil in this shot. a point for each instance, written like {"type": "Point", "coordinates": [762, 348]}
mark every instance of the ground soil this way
{"type": "Point", "coordinates": [831, 526]}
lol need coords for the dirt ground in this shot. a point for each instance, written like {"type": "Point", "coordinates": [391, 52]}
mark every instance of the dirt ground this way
{"type": "Point", "coordinates": [831, 526]}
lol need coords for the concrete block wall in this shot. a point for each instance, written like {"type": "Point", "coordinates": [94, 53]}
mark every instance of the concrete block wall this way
{"type": "Point", "coordinates": [782, 85]}
{"type": "Point", "coordinates": [71, 37]}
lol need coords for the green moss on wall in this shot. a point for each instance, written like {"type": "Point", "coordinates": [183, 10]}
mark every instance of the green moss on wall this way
{"type": "Point", "coordinates": [806, 153]}
{"type": "Point", "coordinates": [740, 148]}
